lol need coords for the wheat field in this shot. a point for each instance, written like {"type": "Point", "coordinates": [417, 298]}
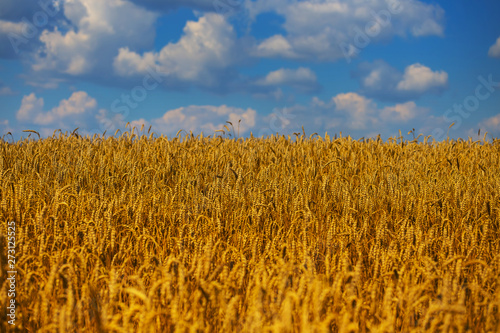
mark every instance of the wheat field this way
{"type": "Point", "coordinates": [140, 233]}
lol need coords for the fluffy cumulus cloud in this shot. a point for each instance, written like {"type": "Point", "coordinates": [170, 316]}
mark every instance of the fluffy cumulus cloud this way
{"type": "Point", "coordinates": [419, 79]}
{"type": "Point", "coordinates": [276, 46]}
{"type": "Point", "coordinates": [400, 112]}
{"type": "Point", "coordinates": [31, 108]}
{"type": "Point", "coordinates": [328, 30]}
{"type": "Point", "coordinates": [201, 118]}
{"type": "Point", "coordinates": [79, 110]}
{"type": "Point", "coordinates": [382, 81]}
{"type": "Point", "coordinates": [352, 114]}
{"type": "Point", "coordinates": [358, 111]}
{"type": "Point", "coordinates": [302, 79]}
{"type": "Point", "coordinates": [97, 40]}
{"type": "Point", "coordinates": [22, 22]}
{"type": "Point", "coordinates": [95, 32]}
{"type": "Point", "coordinates": [494, 51]}
{"type": "Point", "coordinates": [207, 56]}
{"type": "Point", "coordinates": [204, 55]}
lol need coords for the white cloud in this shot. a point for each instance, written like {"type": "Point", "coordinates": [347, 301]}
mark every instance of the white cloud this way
{"type": "Point", "coordinates": [7, 27]}
{"type": "Point", "coordinates": [315, 29]}
{"type": "Point", "coordinates": [276, 46]}
{"type": "Point", "coordinates": [7, 31]}
{"type": "Point", "coordinates": [358, 110]}
{"type": "Point", "coordinates": [491, 125]}
{"type": "Point", "coordinates": [289, 76]}
{"type": "Point", "coordinates": [418, 78]}
{"type": "Point", "coordinates": [203, 55]}
{"type": "Point", "coordinates": [303, 79]}
{"type": "Point", "coordinates": [203, 118]}
{"type": "Point", "coordinates": [352, 114]}
{"type": "Point", "coordinates": [76, 111]}
{"type": "Point", "coordinates": [400, 112]}
{"type": "Point", "coordinates": [98, 29]}
{"type": "Point", "coordinates": [31, 107]}
{"type": "Point", "coordinates": [138, 124]}
{"type": "Point", "coordinates": [195, 118]}
{"type": "Point", "coordinates": [80, 110]}
{"type": "Point", "coordinates": [494, 51]}
{"type": "Point", "coordinates": [384, 82]}
{"type": "Point", "coordinates": [373, 79]}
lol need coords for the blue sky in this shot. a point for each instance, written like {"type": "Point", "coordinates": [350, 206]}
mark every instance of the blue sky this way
{"type": "Point", "coordinates": [362, 68]}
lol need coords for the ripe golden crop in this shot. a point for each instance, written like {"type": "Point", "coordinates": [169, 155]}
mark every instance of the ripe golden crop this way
{"type": "Point", "coordinates": [147, 234]}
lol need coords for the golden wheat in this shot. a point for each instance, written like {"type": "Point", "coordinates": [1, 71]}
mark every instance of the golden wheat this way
{"type": "Point", "coordinates": [139, 233]}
